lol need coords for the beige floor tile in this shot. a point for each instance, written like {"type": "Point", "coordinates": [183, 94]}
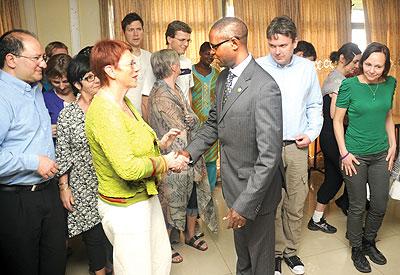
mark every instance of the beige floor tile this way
{"type": "Point", "coordinates": [317, 242]}
{"type": "Point", "coordinates": [390, 247]}
{"type": "Point", "coordinates": [225, 244]}
{"type": "Point", "coordinates": [337, 262]}
{"type": "Point", "coordinates": [197, 262]}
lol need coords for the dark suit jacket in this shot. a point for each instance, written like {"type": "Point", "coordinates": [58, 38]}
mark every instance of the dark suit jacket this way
{"type": "Point", "coordinates": [249, 128]}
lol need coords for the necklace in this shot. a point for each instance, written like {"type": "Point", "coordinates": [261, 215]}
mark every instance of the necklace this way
{"type": "Point", "coordinates": [124, 107]}
{"type": "Point", "coordinates": [373, 91]}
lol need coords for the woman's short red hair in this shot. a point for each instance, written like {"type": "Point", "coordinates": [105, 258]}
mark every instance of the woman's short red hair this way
{"type": "Point", "coordinates": [106, 52]}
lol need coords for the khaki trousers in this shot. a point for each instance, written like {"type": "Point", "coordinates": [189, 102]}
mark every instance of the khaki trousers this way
{"type": "Point", "coordinates": [289, 214]}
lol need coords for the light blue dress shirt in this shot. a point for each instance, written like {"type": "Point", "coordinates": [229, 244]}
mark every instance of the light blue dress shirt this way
{"type": "Point", "coordinates": [25, 131]}
{"type": "Point", "coordinates": [301, 96]}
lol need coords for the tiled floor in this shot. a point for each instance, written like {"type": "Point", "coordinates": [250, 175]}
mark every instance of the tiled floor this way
{"type": "Point", "coordinates": [321, 253]}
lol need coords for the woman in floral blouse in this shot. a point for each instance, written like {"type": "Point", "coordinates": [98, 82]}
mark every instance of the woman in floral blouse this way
{"type": "Point", "coordinates": [78, 182]}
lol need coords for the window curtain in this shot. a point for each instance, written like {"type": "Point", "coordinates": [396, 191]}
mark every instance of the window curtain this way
{"type": "Point", "coordinates": [385, 29]}
{"type": "Point", "coordinates": [156, 14]}
{"type": "Point", "coordinates": [326, 24]}
{"type": "Point", "coordinates": [106, 19]}
{"type": "Point", "coordinates": [257, 15]}
{"type": "Point", "coordinates": [10, 17]}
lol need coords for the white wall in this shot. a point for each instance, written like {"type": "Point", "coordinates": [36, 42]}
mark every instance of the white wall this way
{"type": "Point", "coordinates": [50, 20]}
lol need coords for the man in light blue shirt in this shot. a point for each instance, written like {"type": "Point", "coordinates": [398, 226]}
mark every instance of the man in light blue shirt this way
{"type": "Point", "coordinates": [302, 123]}
{"type": "Point", "coordinates": [32, 240]}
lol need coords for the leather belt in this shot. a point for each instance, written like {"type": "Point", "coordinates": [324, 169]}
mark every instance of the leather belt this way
{"type": "Point", "coordinates": [288, 142]}
{"type": "Point", "coordinates": [29, 188]}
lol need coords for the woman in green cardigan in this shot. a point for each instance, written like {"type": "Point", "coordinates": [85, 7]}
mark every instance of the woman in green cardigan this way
{"type": "Point", "coordinates": [128, 164]}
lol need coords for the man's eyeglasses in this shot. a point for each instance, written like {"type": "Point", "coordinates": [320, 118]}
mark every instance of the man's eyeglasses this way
{"type": "Point", "coordinates": [89, 78]}
{"type": "Point", "coordinates": [215, 46]}
{"type": "Point", "coordinates": [37, 59]}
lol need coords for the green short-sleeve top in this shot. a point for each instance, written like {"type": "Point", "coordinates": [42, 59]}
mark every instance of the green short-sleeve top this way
{"type": "Point", "coordinates": [367, 106]}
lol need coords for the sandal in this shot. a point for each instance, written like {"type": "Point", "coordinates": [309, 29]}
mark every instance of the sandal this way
{"type": "Point", "coordinates": [176, 258]}
{"type": "Point", "coordinates": [199, 235]}
{"type": "Point", "coordinates": [199, 245]}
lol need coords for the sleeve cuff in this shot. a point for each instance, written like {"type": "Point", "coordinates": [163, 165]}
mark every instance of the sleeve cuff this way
{"type": "Point", "coordinates": [31, 162]}
{"type": "Point", "coordinates": [159, 164]}
{"type": "Point", "coordinates": [311, 136]}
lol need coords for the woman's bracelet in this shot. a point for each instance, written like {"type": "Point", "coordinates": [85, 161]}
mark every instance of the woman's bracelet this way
{"type": "Point", "coordinates": [62, 183]}
{"type": "Point", "coordinates": [63, 189]}
{"type": "Point", "coordinates": [345, 156]}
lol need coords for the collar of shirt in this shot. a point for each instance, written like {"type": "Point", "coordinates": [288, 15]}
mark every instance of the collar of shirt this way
{"type": "Point", "coordinates": [17, 83]}
{"type": "Point", "coordinates": [238, 69]}
{"type": "Point", "coordinates": [275, 64]}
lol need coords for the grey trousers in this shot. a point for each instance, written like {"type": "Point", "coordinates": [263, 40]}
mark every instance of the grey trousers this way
{"type": "Point", "coordinates": [373, 169]}
{"type": "Point", "coordinates": [254, 245]}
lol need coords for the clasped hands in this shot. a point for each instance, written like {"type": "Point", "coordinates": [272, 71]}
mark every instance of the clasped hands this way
{"type": "Point", "coordinates": [177, 162]}
{"type": "Point", "coordinates": [235, 220]}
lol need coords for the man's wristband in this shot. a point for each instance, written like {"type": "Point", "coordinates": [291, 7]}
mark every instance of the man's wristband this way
{"type": "Point", "coordinates": [345, 156]}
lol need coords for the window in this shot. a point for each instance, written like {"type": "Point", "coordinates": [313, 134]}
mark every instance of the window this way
{"type": "Point", "coordinates": [358, 34]}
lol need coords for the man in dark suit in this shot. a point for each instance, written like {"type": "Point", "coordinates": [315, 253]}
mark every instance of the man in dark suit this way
{"type": "Point", "coordinates": [247, 119]}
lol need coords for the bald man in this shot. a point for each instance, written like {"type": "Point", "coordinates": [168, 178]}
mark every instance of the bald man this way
{"type": "Point", "coordinates": [32, 234]}
{"type": "Point", "coordinates": [247, 119]}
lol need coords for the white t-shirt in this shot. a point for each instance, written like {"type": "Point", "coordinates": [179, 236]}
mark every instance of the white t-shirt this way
{"type": "Point", "coordinates": [184, 81]}
{"type": "Point", "coordinates": [135, 94]}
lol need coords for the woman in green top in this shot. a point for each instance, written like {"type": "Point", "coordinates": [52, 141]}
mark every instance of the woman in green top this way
{"type": "Point", "coordinates": [128, 164]}
{"type": "Point", "coordinates": [367, 150]}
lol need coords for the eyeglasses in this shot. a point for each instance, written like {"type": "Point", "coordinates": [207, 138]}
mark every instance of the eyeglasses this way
{"type": "Point", "coordinates": [133, 63]}
{"type": "Point", "coordinates": [37, 59]}
{"type": "Point", "coordinates": [89, 78]}
{"type": "Point", "coordinates": [215, 46]}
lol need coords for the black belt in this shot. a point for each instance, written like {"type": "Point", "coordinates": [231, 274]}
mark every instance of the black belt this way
{"type": "Point", "coordinates": [18, 187]}
{"type": "Point", "coordinates": [288, 142]}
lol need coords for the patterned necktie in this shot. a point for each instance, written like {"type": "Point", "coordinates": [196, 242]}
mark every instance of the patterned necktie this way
{"type": "Point", "coordinates": [228, 88]}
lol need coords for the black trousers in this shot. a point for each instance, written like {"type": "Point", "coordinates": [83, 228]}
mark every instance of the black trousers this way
{"type": "Point", "coordinates": [32, 232]}
{"type": "Point", "coordinates": [96, 246]}
{"type": "Point", "coordinates": [333, 176]}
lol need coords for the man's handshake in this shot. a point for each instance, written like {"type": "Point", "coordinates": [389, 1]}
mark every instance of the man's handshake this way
{"type": "Point", "coordinates": [178, 161]}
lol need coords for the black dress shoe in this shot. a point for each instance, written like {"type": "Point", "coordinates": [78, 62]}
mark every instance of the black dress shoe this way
{"type": "Point", "coordinates": [370, 250]}
{"type": "Point", "coordinates": [359, 260]}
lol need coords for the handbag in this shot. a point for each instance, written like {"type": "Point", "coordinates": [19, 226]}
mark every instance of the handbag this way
{"type": "Point", "coordinates": [395, 190]}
